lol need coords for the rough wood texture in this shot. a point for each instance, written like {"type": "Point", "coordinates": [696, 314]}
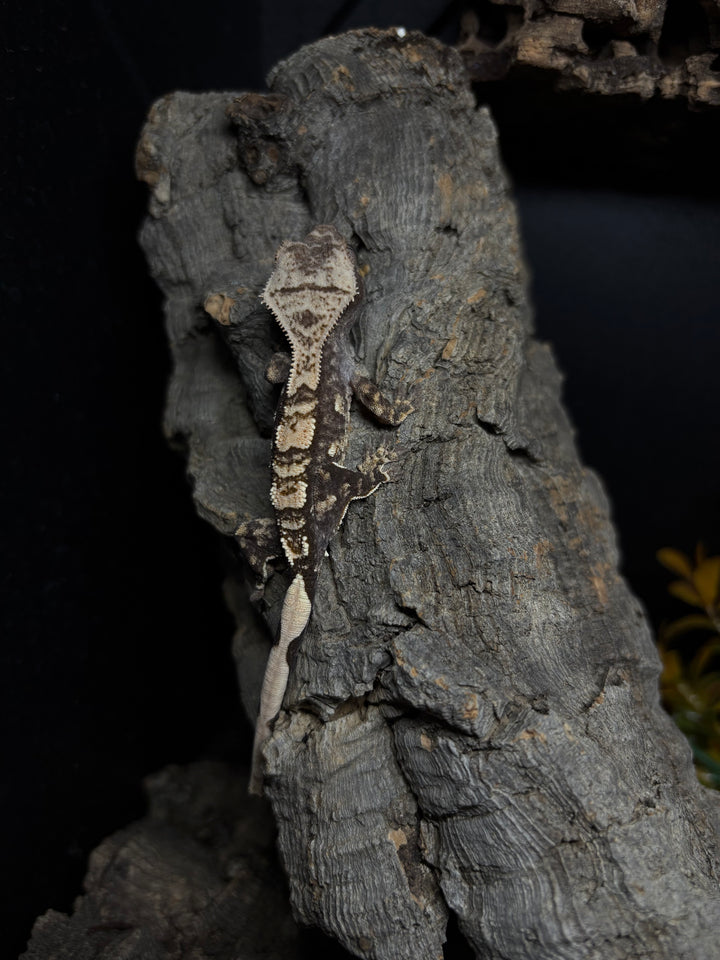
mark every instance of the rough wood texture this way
{"type": "Point", "coordinates": [195, 879]}
{"type": "Point", "coordinates": [668, 48]}
{"type": "Point", "coordinates": [472, 720]}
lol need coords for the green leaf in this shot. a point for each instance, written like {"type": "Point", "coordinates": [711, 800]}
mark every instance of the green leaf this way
{"type": "Point", "coordinates": [693, 621]}
{"type": "Point", "coordinates": [706, 578]}
{"type": "Point", "coordinates": [704, 654]}
{"type": "Point", "coordinates": [707, 691]}
{"type": "Point", "coordinates": [672, 667]}
{"type": "Point", "coordinates": [686, 592]}
{"type": "Point", "coordinates": [706, 760]}
{"type": "Point", "coordinates": [676, 561]}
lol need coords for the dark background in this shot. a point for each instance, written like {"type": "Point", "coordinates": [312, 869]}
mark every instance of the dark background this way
{"type": "Point", "coordinates": [115, 643]}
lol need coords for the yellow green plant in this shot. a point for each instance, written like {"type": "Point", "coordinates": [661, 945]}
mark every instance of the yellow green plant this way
{"type": "Point", "coordinates": [690, 681]}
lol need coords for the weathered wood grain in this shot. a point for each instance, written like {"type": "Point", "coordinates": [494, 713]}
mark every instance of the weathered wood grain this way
{"type": "Point", "coordinates": [653, 48]}
{"type": "Point", "coordinates": [194, 879]}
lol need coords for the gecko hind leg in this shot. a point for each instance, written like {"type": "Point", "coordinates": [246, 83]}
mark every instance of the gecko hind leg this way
{"type": "Point", "coordinates": [259, 543]}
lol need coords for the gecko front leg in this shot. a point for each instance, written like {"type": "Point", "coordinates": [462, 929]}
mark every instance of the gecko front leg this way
{"type": "Point", "coordinates": [391, 412]}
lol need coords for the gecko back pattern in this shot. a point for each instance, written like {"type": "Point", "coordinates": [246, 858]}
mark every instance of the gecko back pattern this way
{"type": "Point", "coordinates": [313, 293]}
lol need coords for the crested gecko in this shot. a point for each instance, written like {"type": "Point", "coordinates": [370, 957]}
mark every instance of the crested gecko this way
{"type": "Point", "coordinates": [313, 293]}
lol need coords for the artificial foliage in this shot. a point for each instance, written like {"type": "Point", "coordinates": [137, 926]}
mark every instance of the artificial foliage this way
{"type": "Point", "coordinates": [690, 652]}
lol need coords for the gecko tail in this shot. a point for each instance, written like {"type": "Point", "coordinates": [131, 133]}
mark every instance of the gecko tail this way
{"type": "Point", "coordinates": [293, 620]}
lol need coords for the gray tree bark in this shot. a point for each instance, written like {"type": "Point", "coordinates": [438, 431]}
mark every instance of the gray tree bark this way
{"type": "Point", "coordinates": [472, 722]}
{"type": "Point", "coordinates": [195, 879]}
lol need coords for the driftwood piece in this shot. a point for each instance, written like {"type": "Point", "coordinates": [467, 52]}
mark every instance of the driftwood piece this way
{"type": "Point", "coordinates": [472, 722]}
{"type": "Point", "coordinates": [666, 48]}
{"type": "Point", "coordinates": [195, 878]}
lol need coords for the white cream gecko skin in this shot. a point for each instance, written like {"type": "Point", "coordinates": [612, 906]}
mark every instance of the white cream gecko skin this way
{"type": "Point", "coordinates": [312, 292]}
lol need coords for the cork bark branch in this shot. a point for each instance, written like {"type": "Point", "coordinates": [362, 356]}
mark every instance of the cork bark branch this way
{"type": "Point", "coordinates": [655, 48]}
{"type": "Point", "coordinates": [472, 722]}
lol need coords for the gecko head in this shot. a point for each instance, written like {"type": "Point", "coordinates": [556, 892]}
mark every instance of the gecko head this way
{"type": "Point", "coordinates": [311, 287]}
{"type": "Point", "coordinates": [316, 275]}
